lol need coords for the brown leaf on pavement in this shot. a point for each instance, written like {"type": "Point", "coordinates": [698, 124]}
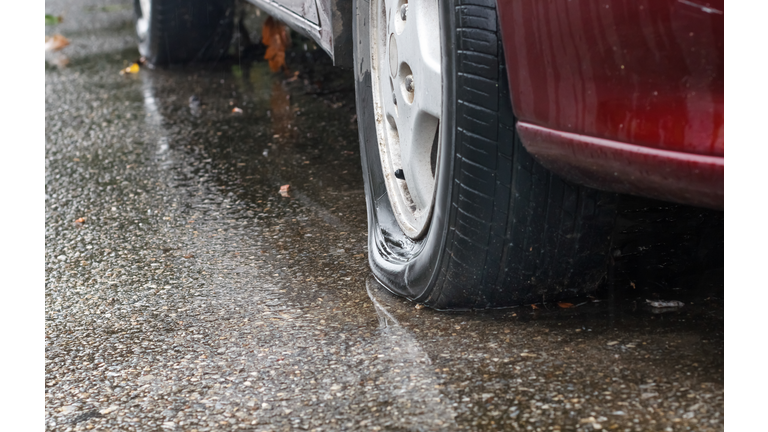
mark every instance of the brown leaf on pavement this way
{"type": "Point", "coordinates": [55, 42]}
{"type": "Point", "coordinates": [565, 305]}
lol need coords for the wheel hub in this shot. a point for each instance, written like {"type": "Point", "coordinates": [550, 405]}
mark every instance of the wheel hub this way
{"type": "Point", "coordinates": [407, 98]}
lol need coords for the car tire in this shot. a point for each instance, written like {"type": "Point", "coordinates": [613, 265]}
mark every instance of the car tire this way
{"type": "Point", "coordinates": [183, 31]}
{"type": "Point", "coordinates": [502, 230]}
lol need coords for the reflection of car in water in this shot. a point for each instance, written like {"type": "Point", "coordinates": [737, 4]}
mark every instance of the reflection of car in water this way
{"type": "Point", "coordinates": [494, 137]}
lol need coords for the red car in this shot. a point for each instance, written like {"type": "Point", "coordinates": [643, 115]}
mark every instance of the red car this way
{"type": "Point", "coordinates": [495, 134]}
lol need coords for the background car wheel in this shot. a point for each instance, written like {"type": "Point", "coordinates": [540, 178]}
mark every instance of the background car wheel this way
{"type": "Point", "coordinates": [459, 214]}
{"type": "Point", "coordinates": [182, 31]}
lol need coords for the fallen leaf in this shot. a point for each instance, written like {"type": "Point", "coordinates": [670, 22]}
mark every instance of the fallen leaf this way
{"type": "Point", "coordinates": [632, 284]}
{"type": "Point", "coordinates": [275, 37]}
{"type": "Point", "coordinates": [132, 69]}
{"type": "Point", "coordinates": [51, 20]}
{"type": "Point", "coordinates": [189, 256]}
{"type": "Point", "coordinates": [55, 42]}
{"type": "Point", "coordinates": [534, 306]}
{"type": "Point", "coordinates": [419, 306]}
{"type": "Point", "coordinates": [236, 110]}
{"type": "Point", "coordinates": [80, 220]}
{"type": "Point", "coordinates": [284, 190]}
{"type": "Point", "coordinates": [565, 305]}
{"type": "Point", "coordinates": [525, 354]}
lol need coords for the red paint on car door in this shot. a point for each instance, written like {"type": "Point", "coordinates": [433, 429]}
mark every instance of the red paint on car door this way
{"type": "Point", "coordinates": [646, 72]}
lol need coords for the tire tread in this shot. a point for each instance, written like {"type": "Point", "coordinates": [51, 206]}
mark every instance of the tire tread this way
{"type": "Point", "coordinates": [506, 204]}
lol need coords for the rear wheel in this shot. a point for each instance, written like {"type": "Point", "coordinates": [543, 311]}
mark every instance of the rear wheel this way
{"type": "Point", "coordinates": [183, 31]}
{"type": "Point", "coordinates": [460, 215]}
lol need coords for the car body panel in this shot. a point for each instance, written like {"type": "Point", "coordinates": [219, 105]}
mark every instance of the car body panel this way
{"type": "Point", "coordinates": [646, 72]}
{"type": "Point", "coordinates": [327, 22]}
{"type": "Point", "coordinates": [681, 177]}
{"type": "Point", "coordinates": [307, 9]}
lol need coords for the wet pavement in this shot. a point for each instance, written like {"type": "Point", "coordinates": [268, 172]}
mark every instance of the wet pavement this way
{"type": "Point", "coordinates": [193, 296]}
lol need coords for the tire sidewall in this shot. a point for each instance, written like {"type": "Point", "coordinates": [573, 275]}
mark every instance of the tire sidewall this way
{"type": "Point", "coordinates": [409, 267]}
{"type": "Point", "coordinates": [184, 31]}
{"type": "Point", "coordinates": [143, 43]}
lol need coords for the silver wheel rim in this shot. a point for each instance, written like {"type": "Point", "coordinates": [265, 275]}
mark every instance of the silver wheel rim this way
{"type": "Point", "coordinates": [408, 101]}
{"type": "Point", "coordinates": [142, 23]}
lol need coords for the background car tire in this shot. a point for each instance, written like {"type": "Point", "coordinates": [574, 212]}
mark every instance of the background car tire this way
{"type": "Point", "coordinates": [183, 31]}
{"type": "Point", "coordinates": [504, 230]}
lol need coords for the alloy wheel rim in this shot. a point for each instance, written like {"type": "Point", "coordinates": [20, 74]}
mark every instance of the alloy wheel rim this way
{"type": "Point", "coordinates": [408, 101]}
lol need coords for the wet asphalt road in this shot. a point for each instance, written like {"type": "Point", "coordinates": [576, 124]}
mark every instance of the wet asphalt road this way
{"type": "Point", "coordinates": [195, 297]}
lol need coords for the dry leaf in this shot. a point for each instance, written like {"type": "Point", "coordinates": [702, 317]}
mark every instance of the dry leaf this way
{"type": "Point", "coordinates": [632, 284]}
{"type": "Point", "coordinates": [534, 306]}
{"type": "Point", "coordinates": [189, 256]}
{"type": "Point", "coordinates": [419, 306]}
{"type": "Point", "coordinates": [55, 42]}
{"type": "Point", "coordinates": [565, 305]}
{"type": "Point", "coordinates": [53, 20]}
{"type": "Point", "coordinates": [275, 37]}
{"type": "Point", "coordinates": [132, 69]}
{"type": "Point", "coordinates": [284, 190]}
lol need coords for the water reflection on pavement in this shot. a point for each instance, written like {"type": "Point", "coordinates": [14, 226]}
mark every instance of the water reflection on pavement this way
{"type": "Point", "coordinates": [196, 297]}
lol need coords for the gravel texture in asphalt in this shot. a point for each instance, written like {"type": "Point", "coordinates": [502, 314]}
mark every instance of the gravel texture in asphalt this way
{"type": "Point", "coordinates": [184, 292]}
